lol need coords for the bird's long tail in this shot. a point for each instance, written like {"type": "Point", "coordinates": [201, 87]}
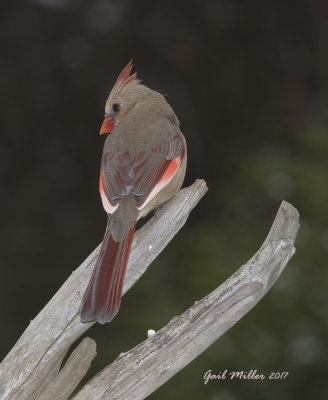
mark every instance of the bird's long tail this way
{"type": "Point", "coordinates": [102, 298]}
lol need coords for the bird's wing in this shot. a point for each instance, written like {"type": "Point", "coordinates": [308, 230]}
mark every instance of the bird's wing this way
{"type": "Point", "coordinates": [143, 174]}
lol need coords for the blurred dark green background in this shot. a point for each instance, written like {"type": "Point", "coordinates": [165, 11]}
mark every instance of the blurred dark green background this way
{"type": "Point", "coordinates": [249, 82]}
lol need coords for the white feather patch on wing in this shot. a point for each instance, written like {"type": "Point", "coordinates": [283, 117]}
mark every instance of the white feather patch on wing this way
{"type": "Point", "coordinates": [162, 183]}
{"type": "Point", "coordinates": [109, 208]}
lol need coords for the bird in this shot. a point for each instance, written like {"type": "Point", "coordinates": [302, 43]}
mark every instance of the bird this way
{"type": "Point", "coordinates": [143, 166]}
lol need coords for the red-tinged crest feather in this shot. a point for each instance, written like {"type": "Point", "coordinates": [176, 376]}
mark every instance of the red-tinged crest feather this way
{"type": "Point", "coordinates": [124, 76]}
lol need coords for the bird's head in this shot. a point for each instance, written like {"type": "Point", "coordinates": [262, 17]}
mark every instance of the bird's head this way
{"type": "Point", "coordinates": [121, 98]}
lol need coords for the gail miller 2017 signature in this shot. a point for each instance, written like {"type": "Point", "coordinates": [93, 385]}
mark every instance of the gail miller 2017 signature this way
{"type": "Point", "coordinates": [243, 375]}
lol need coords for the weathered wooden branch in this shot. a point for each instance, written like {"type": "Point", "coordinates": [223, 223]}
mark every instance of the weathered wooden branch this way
{"type": "Point", "coordinates": [71, 374]}
{"type": "Point", "coordinates": [139, 372]}
{"type": "Point", "coordinates": [31, 369]}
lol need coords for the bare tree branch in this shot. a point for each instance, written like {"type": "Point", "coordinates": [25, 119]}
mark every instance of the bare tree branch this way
{"type": "Point", "coordinates": [31, 368]}
{"type": "Point", "coordinates": [137, 373]}
{"type": "Point", "coordinates": [71, 374]}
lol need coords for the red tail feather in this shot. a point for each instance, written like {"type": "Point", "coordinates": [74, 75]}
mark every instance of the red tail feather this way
{"type": "Point", "coordinates": [102, 298]}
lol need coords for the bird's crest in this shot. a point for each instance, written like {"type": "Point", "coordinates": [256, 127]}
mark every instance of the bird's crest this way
{"type": "Point", "coordinates": [125, 76]}
{"type": "Point", "coordinates": [123, 79]}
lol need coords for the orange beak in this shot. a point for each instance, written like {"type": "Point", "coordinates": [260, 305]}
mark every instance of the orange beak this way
{"type": "Point", "coordinates": [107, 126]}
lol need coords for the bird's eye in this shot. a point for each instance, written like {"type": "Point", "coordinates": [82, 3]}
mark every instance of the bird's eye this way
{"type": "Point", "coordinates": [116, 107]}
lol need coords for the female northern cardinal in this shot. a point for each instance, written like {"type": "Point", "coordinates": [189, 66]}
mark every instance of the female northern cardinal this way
{"type": "Point", "coordinates": [143, 165]}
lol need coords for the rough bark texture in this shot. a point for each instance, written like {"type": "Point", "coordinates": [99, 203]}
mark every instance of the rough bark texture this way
{"type": "Point", "coordinates": [142, 370]}
{"type": "Point", "coordinates": [31, 367]}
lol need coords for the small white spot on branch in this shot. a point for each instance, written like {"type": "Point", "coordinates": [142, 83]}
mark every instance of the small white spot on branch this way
{"type": "Point", "coordinates": [150, 333]}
